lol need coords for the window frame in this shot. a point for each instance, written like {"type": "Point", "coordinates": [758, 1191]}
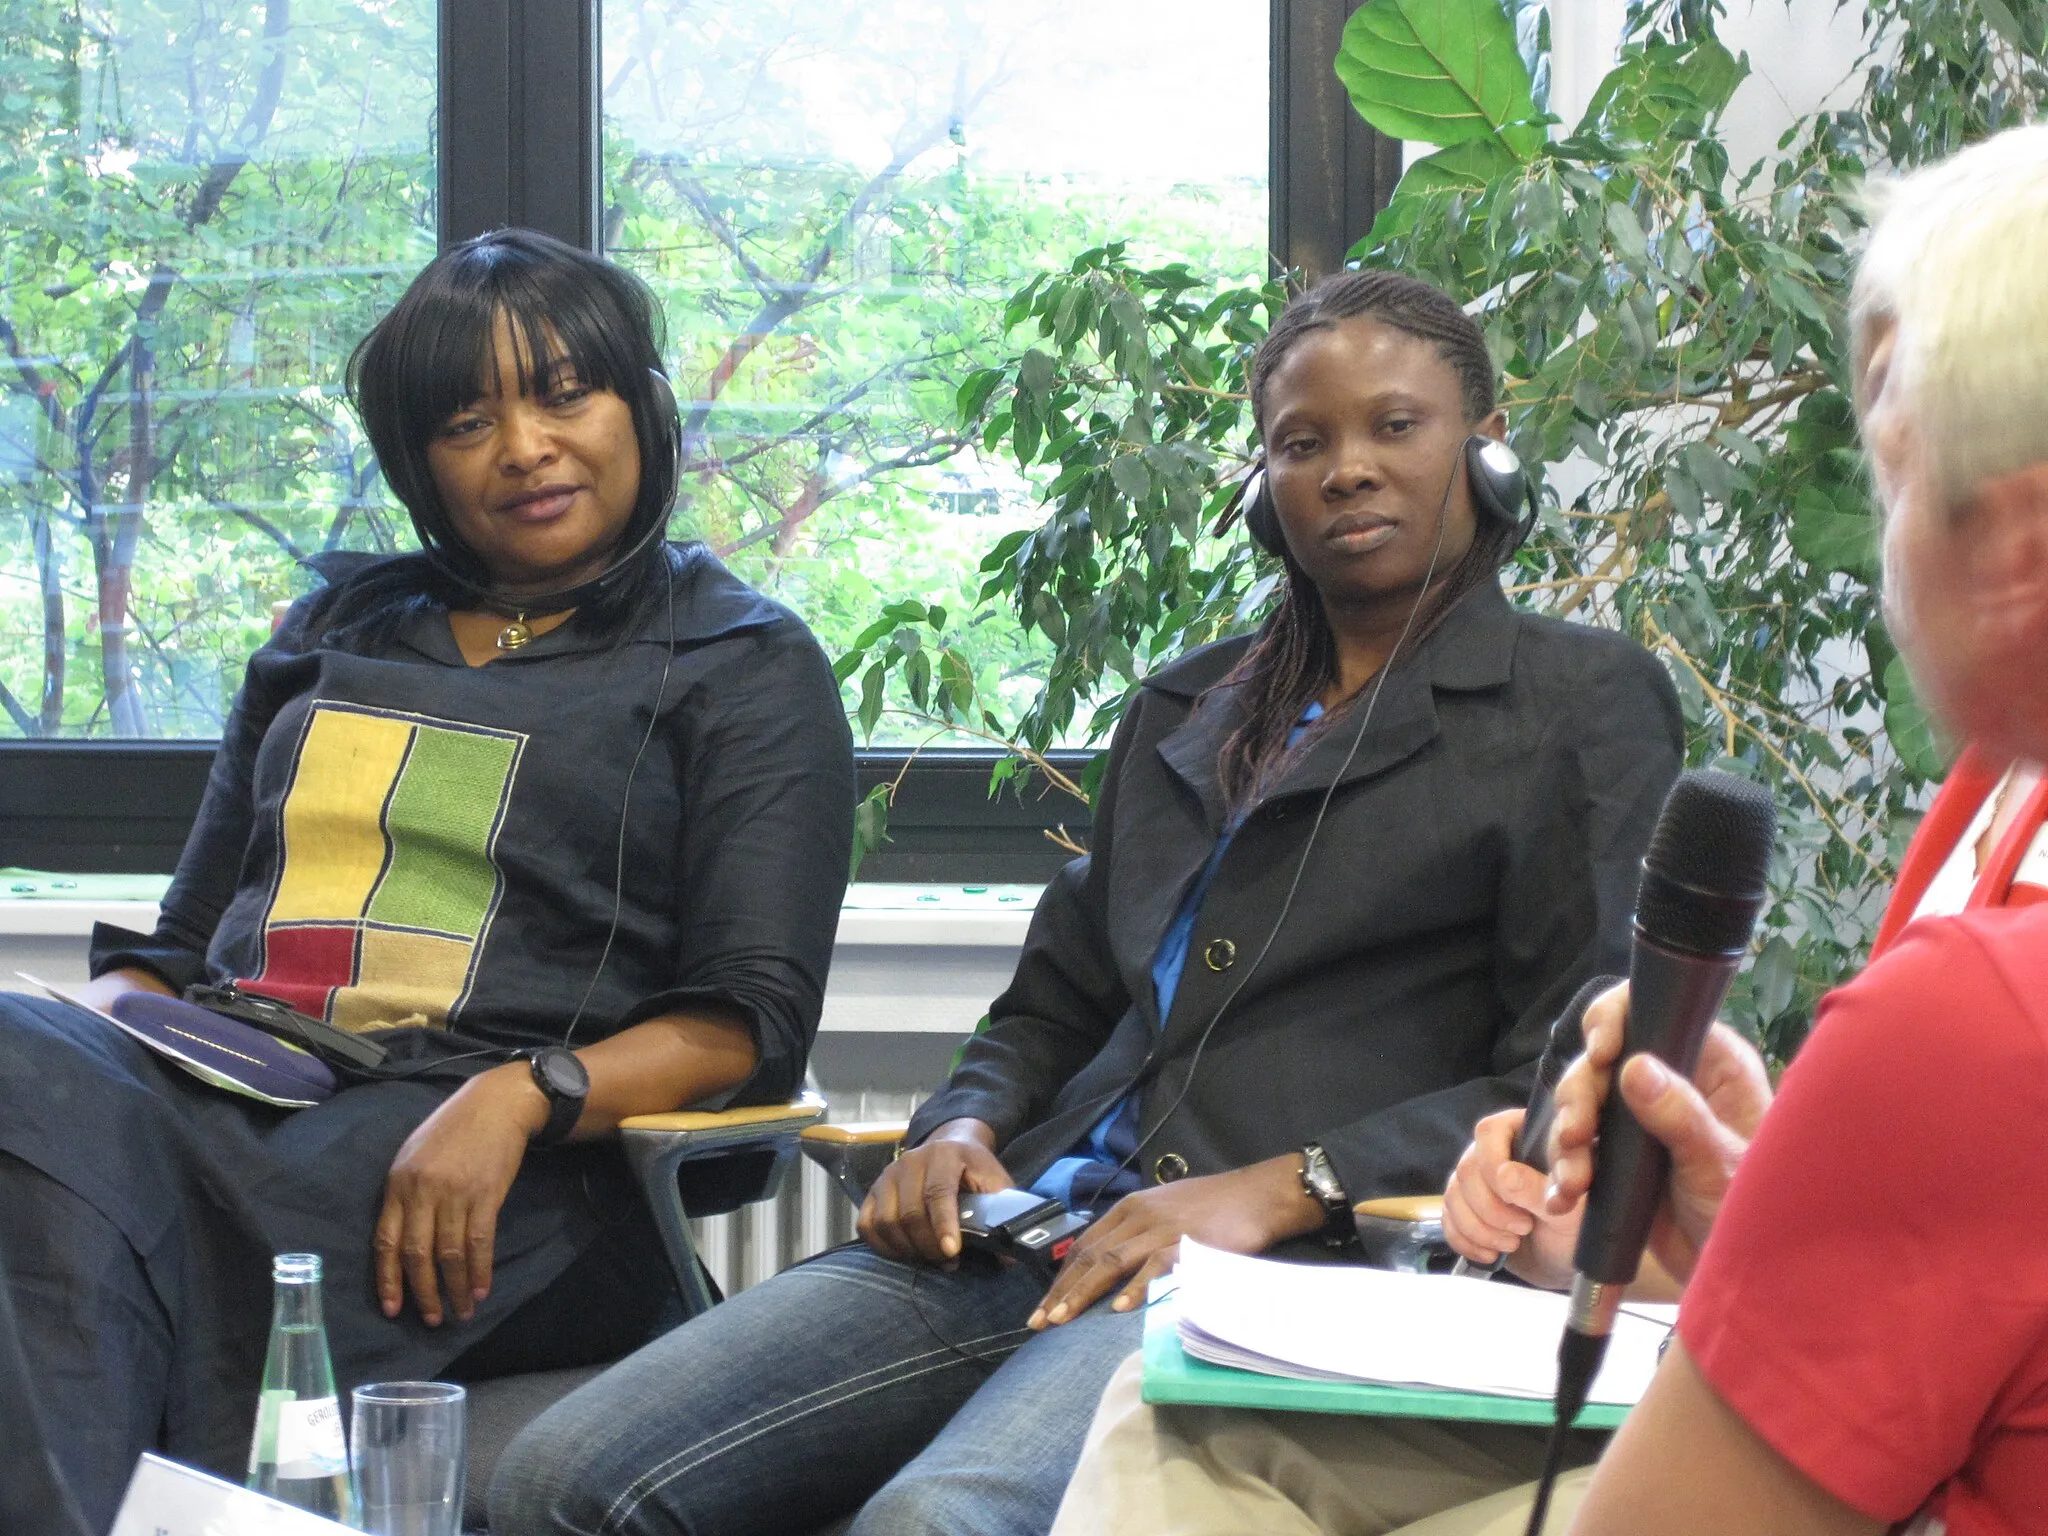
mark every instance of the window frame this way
{"type": "Point", "coordinates": [124, 806]}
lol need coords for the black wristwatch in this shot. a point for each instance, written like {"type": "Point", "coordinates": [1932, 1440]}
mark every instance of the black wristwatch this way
{"type": "Point", "coordinates": [1320, 1183]}
{"type": "Point", "coordinates": [560, 1075]}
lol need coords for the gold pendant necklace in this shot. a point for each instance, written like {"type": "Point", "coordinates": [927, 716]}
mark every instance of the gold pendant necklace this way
{"type": "Point", "coordinates": [515, 634]}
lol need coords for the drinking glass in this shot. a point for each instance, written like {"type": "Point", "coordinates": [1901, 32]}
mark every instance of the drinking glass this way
{"type": "Point", "coordinates": [408, 1446]}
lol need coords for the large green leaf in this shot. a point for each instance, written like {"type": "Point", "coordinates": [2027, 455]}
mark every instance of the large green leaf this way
{"type": "Point", "coordinates": [1439, 72]}
{"type": "Point", "coordinates": [1909, 725]}
{"type": "Point", "coordinates": [1468, 167]}
{"type": "Point", "coordinates": [1831, 538]}
{"type": "Point", "coordinates": [1664, 92]}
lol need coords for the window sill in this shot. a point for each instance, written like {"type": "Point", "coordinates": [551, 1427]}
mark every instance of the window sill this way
{"type": "Point", "coordinates": [922, 916]}
{"type": "Point", "coordinates": [910, 959]}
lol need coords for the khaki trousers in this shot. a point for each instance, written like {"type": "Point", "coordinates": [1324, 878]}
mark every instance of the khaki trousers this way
{"type": "Point", "coordinates": [1180, 1471]}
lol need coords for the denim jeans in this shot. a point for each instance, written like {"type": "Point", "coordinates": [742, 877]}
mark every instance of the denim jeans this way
{"type": "Point", "coordinates": [852, 1382]}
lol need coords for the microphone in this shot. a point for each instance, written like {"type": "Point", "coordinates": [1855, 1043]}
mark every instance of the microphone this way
{"type": "Point", "coordinates": [1532, 1142]}
{"type": "Point", "coordinates": [1703, 884]}
{"type": "Point", "coordinates": [1567, 1039]}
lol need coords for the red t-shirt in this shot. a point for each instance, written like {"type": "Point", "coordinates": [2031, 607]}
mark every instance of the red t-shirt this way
{"type": "Point", "coordinates": [1874, 1299]}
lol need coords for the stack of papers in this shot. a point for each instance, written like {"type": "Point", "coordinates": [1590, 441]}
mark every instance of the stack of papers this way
{"type": "Point", "coordinates": [1347, 1323]}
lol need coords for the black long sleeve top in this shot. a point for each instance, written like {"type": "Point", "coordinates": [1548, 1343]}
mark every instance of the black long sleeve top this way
{"type": "Point", "coordinates": [486, 836]}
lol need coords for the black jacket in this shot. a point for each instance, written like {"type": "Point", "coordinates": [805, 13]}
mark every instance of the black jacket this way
{"type": "Point", "coordinates": [1478, 861]}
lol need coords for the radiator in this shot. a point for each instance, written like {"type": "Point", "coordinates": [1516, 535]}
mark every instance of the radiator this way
{"type": "Point", "coordinates": [808, 1214]}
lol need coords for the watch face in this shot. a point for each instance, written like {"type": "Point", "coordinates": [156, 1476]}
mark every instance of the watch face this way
{"type": "Point", "coordinates": [563, 1074]}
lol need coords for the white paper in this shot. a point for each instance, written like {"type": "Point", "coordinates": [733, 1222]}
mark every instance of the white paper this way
{"type": "Point", "coordinates": [165, 1499]}
{"type": "Point", "coordinates": [1345, 1322]}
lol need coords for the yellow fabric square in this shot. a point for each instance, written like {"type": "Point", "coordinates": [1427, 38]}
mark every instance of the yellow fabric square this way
{"type": "Point", "coordinates": [334, 845]}
{"type": "Point", "coordinates": [404, 978]}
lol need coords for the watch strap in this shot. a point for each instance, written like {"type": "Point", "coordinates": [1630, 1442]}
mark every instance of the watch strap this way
{"type": "Point", "coordinates": [564, 1109]}
{"type": "Point", "coordinates": [1320, 1183]}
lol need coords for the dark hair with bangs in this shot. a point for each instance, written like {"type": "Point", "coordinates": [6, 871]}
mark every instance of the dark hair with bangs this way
{"type": "Point", "coordinates": [434, 353]}
{"type": "Point", "coordinates": [1295, 656]}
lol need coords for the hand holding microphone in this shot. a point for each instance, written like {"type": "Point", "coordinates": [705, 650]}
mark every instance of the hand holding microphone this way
{"type": "Point", "coordinates": [1703, 885]}
{"type": "Point", "coordinates": [1705, 1124]}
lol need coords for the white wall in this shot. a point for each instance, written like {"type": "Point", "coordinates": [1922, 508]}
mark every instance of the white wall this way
{"type": "Point", "coordinates": [1801, 56]}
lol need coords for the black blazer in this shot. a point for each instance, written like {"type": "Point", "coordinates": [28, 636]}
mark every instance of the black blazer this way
{"type": "Point", "coordinates": [1477, 863]}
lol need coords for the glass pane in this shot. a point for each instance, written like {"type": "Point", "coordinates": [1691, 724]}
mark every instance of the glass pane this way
{"type": "Point", "coordinates": [834, 198]}
{"type": "Point", "coordinates": [202, 207]}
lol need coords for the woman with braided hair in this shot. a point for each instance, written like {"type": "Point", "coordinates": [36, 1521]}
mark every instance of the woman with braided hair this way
{"type": "Point", "coordinates": [1344, 873]}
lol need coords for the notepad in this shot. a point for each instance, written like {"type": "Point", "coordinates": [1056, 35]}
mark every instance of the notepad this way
{"type": "Point", "coordinates": [1378, 1341]}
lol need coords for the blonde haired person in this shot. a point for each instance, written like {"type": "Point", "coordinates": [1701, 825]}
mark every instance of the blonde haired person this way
{"type": "Point", "coordinates": [1863, 1344]}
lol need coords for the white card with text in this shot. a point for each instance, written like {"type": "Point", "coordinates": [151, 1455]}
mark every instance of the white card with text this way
{"type": "Point", "coordinates": [165, 1499]}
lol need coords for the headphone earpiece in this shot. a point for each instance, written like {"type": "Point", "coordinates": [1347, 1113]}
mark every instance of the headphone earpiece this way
{"type": "Point", "coordinates": [668, 428]}
{"type": "Point", "coordinates": [1255, 505]}
{"type": "Point", "coordinates": [1500, 486]}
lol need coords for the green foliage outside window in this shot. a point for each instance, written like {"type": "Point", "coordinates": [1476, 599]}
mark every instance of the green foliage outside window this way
{"type": "Point", "coordinates": [1671, 331]}
{"type": "Point", "coordinates": [207, 204]}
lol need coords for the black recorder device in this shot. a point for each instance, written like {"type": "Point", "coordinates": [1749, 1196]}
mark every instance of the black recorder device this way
{"type": "Point", "coordinates": [1017, 1224]}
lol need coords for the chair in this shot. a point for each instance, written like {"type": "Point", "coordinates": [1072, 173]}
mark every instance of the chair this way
{"type": "Point", "coordinates": [689, 1164]}
{"type": "Point", "coordinates": [1396, 1232]}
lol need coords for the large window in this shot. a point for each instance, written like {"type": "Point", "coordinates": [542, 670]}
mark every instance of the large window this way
{"type": "Point", "coordinates": [203, 204]}
{"type": "Point", "coordinates": [834, 198]}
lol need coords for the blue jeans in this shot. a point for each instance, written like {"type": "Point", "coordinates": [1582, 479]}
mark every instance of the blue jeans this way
{"type": "Point", "coordinates": [914, 1395]}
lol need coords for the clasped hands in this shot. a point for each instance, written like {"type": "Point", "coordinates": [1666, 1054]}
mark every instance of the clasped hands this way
{"type": "Point", "coordinates": [912, 1214]}
{"type": "Point", "coordinates": [1495, 1206]}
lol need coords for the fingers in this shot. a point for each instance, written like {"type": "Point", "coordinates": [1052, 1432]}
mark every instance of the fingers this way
{"type": "Point", "coordinates": [451, 1254]}
{"type": "Point", "coordinates": [416, 1253]}
{"type": "Point", "coordinates": [1106, 1253]}
{"type": "Point", "coordinates": [482, 1242]}
{"type": "Point", "coordinates": [1580, 1093]}
{"type": "Point", "coordinates": [941, 1212]}
{"type": "Point", "coordinates": [1160, 1264]}
{"type": "Point", "coordinates": [1673, 1111]}
{"type": "Point", "coordinates": [384, 1245]}
{"type": "Point", "coordinates": [912, 1214]}
{"type": "Point", "coordinates": [1482, 1217]}
{"type": "Point", "coordinates": [878, 1217]}
{"type": "Point", "coordinates": [1605, 1023]}
{"type": "Point", "coordinates": [1734, 1080]}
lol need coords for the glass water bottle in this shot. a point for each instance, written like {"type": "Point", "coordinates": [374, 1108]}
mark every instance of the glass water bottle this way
{"type": "Point", "coordinates": [298, 1454]}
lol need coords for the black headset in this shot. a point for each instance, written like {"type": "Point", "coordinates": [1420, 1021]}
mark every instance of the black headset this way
{"type": "Point", "coordinates": [1500, 491]}
{"type": "Point", "coordinates": [662, 457]}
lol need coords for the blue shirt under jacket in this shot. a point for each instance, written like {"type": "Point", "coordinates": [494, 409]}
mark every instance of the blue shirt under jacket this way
{"type": "Point", "coordinates": [1103, 1167]}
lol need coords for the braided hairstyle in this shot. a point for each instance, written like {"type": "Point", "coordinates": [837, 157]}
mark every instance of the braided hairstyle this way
{"type": "Point", "coordinates": [1294, 658]}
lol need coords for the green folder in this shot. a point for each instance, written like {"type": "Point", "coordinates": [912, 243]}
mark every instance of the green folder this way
{"type": "Point", "coordinates": [1173, 1376]}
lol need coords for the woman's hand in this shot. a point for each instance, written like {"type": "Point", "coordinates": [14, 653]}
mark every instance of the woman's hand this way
{"type": "Point", "coordinates": [1495, 1205]}
{"type": "Point", "coordinates": [912, 1214]}
{"type": "Point", "coordinates": [1706, 1124]}
{"type": "Point", "coordinates": [439, 1226]}
{"type": "Point", "coordinates": [1245, 1211]}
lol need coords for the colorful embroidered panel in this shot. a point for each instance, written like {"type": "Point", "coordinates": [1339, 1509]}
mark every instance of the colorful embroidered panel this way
{"type": "Point", "coordinates": [387, 878]}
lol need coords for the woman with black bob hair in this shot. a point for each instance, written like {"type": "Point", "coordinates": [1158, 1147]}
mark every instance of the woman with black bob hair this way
{"type": "Point", "coordinates": [554, 811]}
{"type": "Point", "coordinates": [424, 362]}
{"type": "Point", "coordinates": [1342, 876]}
